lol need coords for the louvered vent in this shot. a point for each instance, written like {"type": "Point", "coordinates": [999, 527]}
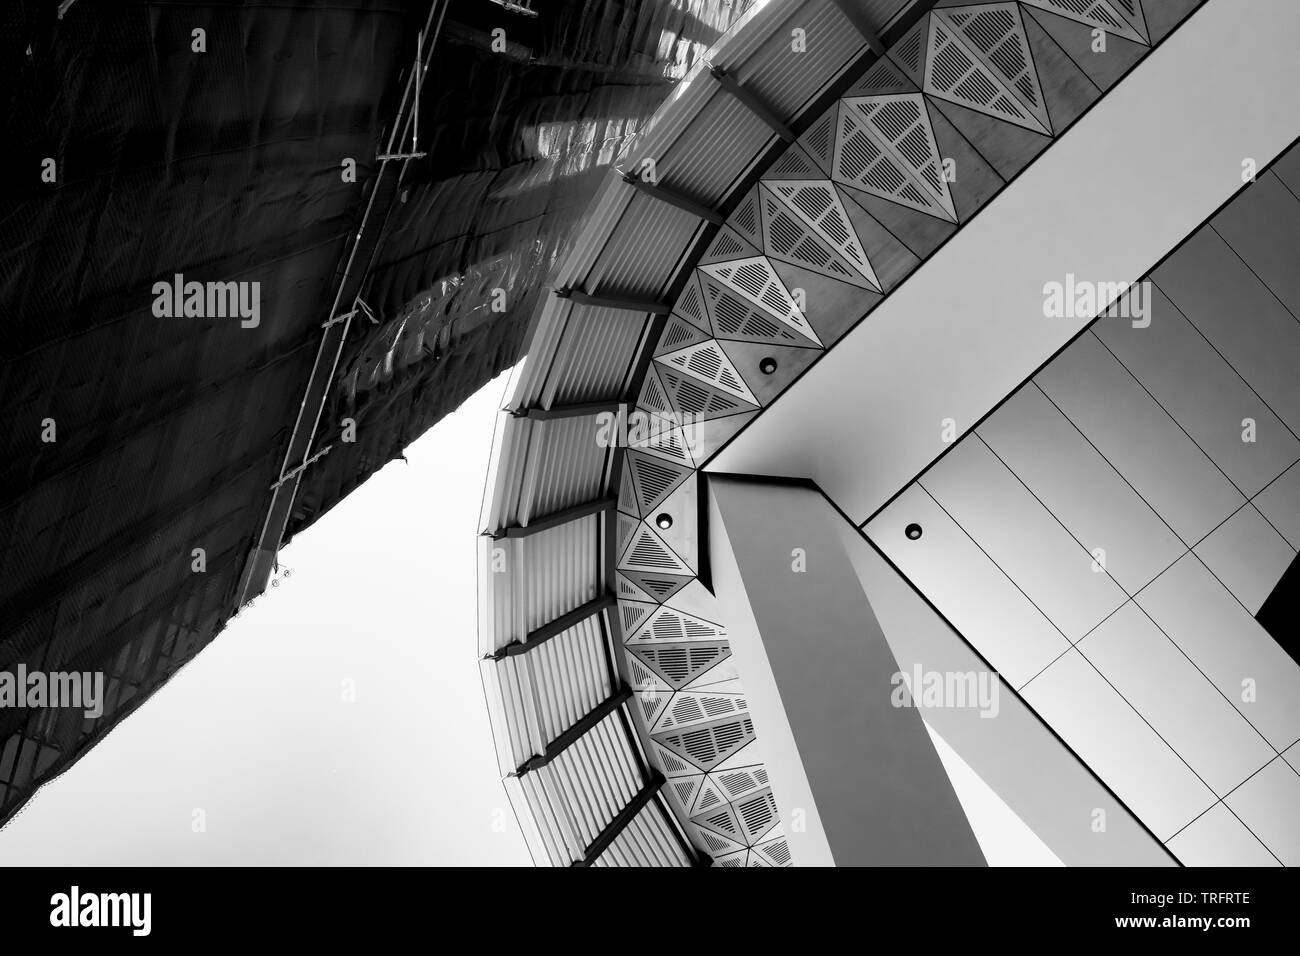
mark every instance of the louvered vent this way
{"type": "Point", "coordinates": [685, 790]}
{"type": "Point", "coordinates": [707, 362]}
{"type": "Point", "coordinates": [907, 51]}
{"type": "Point", "coordinates": [757, 814]}
{"type": "Point", "coordinates": [687, 710]}
{"type": "Point", "coordinates": [691, 306]}
{"type": "Point", "coordinates": [678, 332]}
{"type": "Point", "coordinates": [793, 164]}
{"type": "Point", "coordinates": [631, 615]}
{"type": "Point", "coordinates": [707, 745]}
{"type": "Point", "coordinates": [819, 206]}
{"type": "Point", "coordinates": [655, 480]}
{"type": "Point", "coordinates": [737, 318]}
{"type": "Point", "coordinates": [670, 763]}
{"type": "Point", "coordinates": [997, 34]}
{"type": "Point", "coordinates": [778, 851]}
{"type": "Point", "coordinates": [648, 553]}
{"type": "Point", "coordinates": [659, 586]}
{"type": "Point", "coordinates": [979, 59]}
{"type": "Point", "coordinates": [737, 782]}
{"type": "Point", "coordinates": [757, 281]}
{"type": "Point", "coordinates": [745, 217]}
{"type": "Point", "coordinates": [725, 246]}
{"type": "Point", "coordinates": [679, 664]}
{"type": "Point", "coordinates": [884, 77]}
{"type": "Point", "coordinates": [692, 397]}
{"type": "Point", "coordinates": [887, 148]}
{"type": "Point", "coordinates": [787, 238]}
{"type": "Point", "coordinates": [626, 528]}
{"type": "Point", "coordinates": [653, 398]}
{"type": "Point", "coordinates": [817, 140]}
{"type": "Point", "coordinates": [1120, 17]}
{"type": "Point", "coordinates": [672, 625]}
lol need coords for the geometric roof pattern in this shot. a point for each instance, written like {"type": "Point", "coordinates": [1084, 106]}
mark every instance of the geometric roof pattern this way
{"type": "Point", "coordinates": [967, 95]}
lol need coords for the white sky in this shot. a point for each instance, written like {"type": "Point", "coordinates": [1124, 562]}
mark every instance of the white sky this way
{"type": "Point", "coordinates": [255, 731]}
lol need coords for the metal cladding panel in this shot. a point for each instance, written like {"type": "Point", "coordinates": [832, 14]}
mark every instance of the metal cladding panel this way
{"type": "Point", "coordinates": [787, 81]}
{"type": "Point", "coordinates": [718, 148]}
{"type": "Point", "coordinates": [505, 472]}
{"type": "Point", "coordinates": [570, 677]}
{"type": "Point", "coordinates": [541, 467]}
{"type": "Point", "coordinates": [594, 780]}
{"type": "Point", "coordinates": [546, 691]}
{"type": "Point", "coordinates": [633, 245]}
{"type": "Point", "coordinates": [509, 722]}
{"type": "Point", "coordinates": [536, 368]}
{"type": "Point", "coordinates": [691, 95]}
{"type": "Point", "coordinates": [557, 570]}
{"type": "Point", "coordinates": [546, 835]}
{"type": "Point", "coordinates": [649, 840]}
{"type": "Point", "coordinates": [644, 253]}
{"type": "Point", "coordinates": [595, 356]}
{"type": "Point", "coordinates": [567, 463]}
{"type": "Point", "coordinates": [603, 217]}
{"type": "Point", "coordinates": [537, 579]}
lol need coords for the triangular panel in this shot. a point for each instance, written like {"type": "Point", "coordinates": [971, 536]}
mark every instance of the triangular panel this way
{"type": "Point", "coordinates": [818, 140]}
{"type": "Point", "coordinates": [630, 591]}
{"type": "Point", "coordinates": [648, 553]}
{"type": "Point", "coordinates": [1097, 14]}
{"type": "Point", "coordinates": [659, 587]}
{"type": "Point", "coordinates": [707, 745]}
{"type": "Point", "coordinates": [909, 52]}
{"type": "Point", "coordinates": [956, 70]}
{"type": "Point", "coordinates": [883, 77]}
{"type": "Point", "coordinates": [787, 238]}
{"type": "Point", "coordinates": [690, 304]}
{"type": "Point", "coordinates": [757, 281]}
{"type": "Point", "coordinates": [795, 163]}
{"type": "Point", "coordinates": [674, 626]}
{"type": "Point", "coordinates": [744, 218]}
{"type": "Point", "coordinates": [626, 528]}
{"type": "Point", "coordinates": [735, 317]}
{"type": "Point", "coordinates": [728, 244]}
{"type": "Point", "coordinates": [819, 206]}
{"type": "Point", "coordinates": [707, 362]}
{"type": "Point", "coordinates": [901, 141]}
{"type": "Point", "coordinates": [692, 397]}
{"type": "Point", "coordinates": [757, 814]}
{"type": "Point", "coordinates": [633, 614]}
{"type": "Point", "coordinates": [678, 665]}
{"type": "Point", "coordinates": [655, 479]}
{"type": "Point", "coordinates": [679, 333]}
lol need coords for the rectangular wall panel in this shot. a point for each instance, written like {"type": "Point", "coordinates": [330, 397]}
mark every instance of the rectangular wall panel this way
{"type": "Point", "coordinates": [1158, 680]}
{"type": "Point", "coordinates": [1023, 538]}
{"type": "Point", "coordinates": [1135, 434]}
{"type": "Point", "coordinates": [1214, 289]}
{"type": "Point", "coordinates": [982, 603]}
{"type": "Point", "coordinates": [1112, 739]}
{"type": "Point", "coordinates": [1203, 394]}
{"type": "Point", "coordinates": [1248, 555]}
{"type": "Point", "coordinates": [1229, 646]}
{"type": "Point", "coordinates": [1080, 488]}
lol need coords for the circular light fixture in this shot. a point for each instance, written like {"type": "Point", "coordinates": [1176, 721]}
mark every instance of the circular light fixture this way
{"type": "Point", "coordinates": [913, 531]}
{"type": "Point", "coordinates": [767, 366]}
{"type": "Point", "coordinates": [664, 521]}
